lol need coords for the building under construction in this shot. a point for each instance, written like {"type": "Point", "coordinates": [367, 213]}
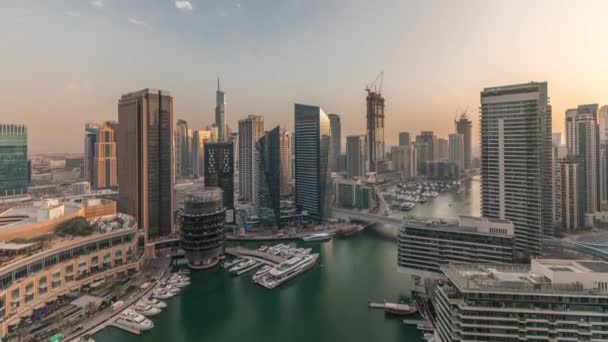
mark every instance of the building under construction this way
{"type": "Point", "coordinates": [375, 124]}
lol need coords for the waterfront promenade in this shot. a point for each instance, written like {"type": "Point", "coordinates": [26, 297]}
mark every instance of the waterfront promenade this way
{"type": "Point", "coordinates": [157, 270]}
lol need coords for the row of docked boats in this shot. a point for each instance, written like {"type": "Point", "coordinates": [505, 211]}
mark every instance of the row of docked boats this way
{"type": "Point", "coordinates": [136, 317]}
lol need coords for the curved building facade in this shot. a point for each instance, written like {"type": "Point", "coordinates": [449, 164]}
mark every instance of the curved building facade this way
{"type": "Point", "coordinates": [34, 276]}
{"type": "Point", "coordinates": [201, 222]}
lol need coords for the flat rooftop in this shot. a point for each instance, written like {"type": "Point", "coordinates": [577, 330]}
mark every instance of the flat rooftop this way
{"type": "Point", "coordinates": [541, 275]}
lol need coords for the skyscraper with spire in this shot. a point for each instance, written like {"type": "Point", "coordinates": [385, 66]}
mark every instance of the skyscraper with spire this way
{"type": "Point", "coordinates": [220, 112]}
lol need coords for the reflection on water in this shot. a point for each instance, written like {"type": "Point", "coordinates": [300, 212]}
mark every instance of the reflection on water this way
{"type": "Point", "coordinates": [450, 204]}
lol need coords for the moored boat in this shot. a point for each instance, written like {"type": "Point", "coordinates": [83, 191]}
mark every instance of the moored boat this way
{"type": "Point", "coordinates": [399, 309]}
{"type": "Point", "coordinates": [317, 237]}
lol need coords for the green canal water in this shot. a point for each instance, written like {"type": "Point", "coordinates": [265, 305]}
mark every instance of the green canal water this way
{"type": "Point", "coordinates": [327, 303]}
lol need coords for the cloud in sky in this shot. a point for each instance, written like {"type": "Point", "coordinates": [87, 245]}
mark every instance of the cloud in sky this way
{"type": "Point", "coordinates": [138, 22]}
{"type": "Point", "coordinates": [97, 3]}
{"type": "Point", "coordinates": [184, 5]}
{"type": "Point", "coordinates": [238, 5]}
{"type": "Point", "coordinates": [72, 14]}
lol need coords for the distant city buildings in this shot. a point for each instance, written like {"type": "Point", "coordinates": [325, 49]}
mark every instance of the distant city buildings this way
{"type": "Point", "coordinates": [286, 173]}
{"type": "Point", "coordinates": [464, 127]}
{"type": "Point", "coordinates": [182, 145]}
{"type": "Point", "coordinates": [583, 143]}
{"type": "Point", "coordinates": [375, 129]}
{"type": "Point", "coordinates": [199, 138]}
{"type": "Point", "coordinates": [335, 147]}
{"type": "Point", "coordinates": [13, 160]}
{"type": "Point", "coordinates": [355, 155]}
{"type": "Point", "coordinates": [456, 149]}
{"type": "Point", "coordinates": [439, 170]}
{"type": "Point", "coordinates": [572, 207]}
{"type": "Point", "coordinates": [268, 177]}
{"type": "Point", "coordinates": [443, 149]}
{"type": "Point", "coordinates": [91, 134]}
{"type": "Point", "coordinates": [105, 167]}
{"type": "Point", "coordinates": [145, 166]}
{"type": "Point", "coordinates": [403, 158]}
{"type": "Point", "coordinates": [220, 112]}
{"type": "Point", "coordinates": [312, 135]}
{"type": "Point", "coordinates": [219, 172]}
{"type": "Point", "coordinates": [250, 131]}
{"type": "Point", "coordinates": [427, 146]}
{"type": "Point", "coordinates": [404, 138]}
{"type": "Point", "coordinates": [354, 194]}
{"type": "Point", "coordinates": [516, 169]}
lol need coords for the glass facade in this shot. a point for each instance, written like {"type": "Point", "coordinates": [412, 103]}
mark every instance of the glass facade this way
{"type": "Point", "coordinates": [268, 177]}
{"type": "Point", "coordinates": [312, 135]}
{"type": "Point", "coordinates": [219, 169]}
{"type": "Point", "coordinates": [13, 160]}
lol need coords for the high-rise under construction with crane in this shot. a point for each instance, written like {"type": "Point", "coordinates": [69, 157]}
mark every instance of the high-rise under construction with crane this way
{"type": "Point", "coordinates": [375, 124]}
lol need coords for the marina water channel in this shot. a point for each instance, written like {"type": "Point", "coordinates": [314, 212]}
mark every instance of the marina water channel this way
{"type": "Point", "coordinates": [327, 303]}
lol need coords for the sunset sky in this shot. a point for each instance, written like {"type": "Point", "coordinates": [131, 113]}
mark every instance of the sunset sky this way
{"type": "Point", "coordinates": [66, 62]}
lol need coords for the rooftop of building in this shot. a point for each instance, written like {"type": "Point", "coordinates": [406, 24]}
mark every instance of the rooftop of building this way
{"type": "Point", "coordinates": [144, 92]}
{"type": "Point", "coordinates": [99, 226]}
{"type": "Point", "coordinates": [43, 210]}
{"type": "Point", "coordinates": [37, 212]}
{"type": "Point", "coordinates": [549, 276]}
{"type": "Point", "coordinates": [530, 86]}
{"type": "Point", "coordinates": [465, 224]}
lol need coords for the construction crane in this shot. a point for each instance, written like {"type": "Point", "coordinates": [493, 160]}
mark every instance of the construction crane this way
{"type": "Point", "coordinates": [378, 89]}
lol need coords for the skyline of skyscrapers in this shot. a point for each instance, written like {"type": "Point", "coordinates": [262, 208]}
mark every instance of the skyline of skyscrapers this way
{"type": "Point", "coordinates": [516, 161]}
{"type": "Point", "coordinates": [312, 134]}
{"type": "Point", "coordinates": [145, 166]}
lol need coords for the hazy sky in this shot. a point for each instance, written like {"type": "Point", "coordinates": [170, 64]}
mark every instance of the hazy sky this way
{"type": "Point", "coordinates": [66, 62]}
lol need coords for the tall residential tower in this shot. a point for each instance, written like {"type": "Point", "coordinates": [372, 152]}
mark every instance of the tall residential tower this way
{"type": "Point", "coordinates": [220, 112]}
{"type": "Point", "coordinates": [516, 167]}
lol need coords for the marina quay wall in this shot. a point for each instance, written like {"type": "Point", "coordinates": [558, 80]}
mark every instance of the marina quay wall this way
{"type": "Point", "coordinates": [28, 282]}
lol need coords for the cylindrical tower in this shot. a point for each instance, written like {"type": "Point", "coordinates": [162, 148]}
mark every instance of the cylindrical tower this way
{"type": "Point", "coordinates": [202, 228]}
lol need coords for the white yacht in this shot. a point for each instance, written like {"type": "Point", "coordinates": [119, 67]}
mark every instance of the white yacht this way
{"type": "Point", "coordinates": [170, 288]}
{"type": "Point", "coordinates": [155, 302]}
{"type": "Point", "coordinates": [242, 265]}
{"type": "Point", "coordinates": [136, 320]}
{"type": "Point", "coordinates": [262, 271]}
{"type": "Point", "coordinates": [288, 270]}
{"type": "Point", "coordinates": [146, 309]}
{"type": "Point", "coordinates": [162, 294]}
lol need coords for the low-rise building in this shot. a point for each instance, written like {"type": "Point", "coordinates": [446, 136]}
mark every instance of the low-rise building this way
{"type": "Point", "coordinates": [428, 244]}
{"type": "Point", "coordinates": [354, 193]}
{"type": "Point", "coordinates": [64, 263]}
{"type": "Point", "coordinates": [547, 300]}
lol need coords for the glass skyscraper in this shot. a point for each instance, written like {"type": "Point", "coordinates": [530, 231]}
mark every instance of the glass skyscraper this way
{"type": "Point", "coordinates": [268, 177]}
{"type": "Point", "coordinates": [13, 160]}
{"type": "Point", "coordinates": [145, 166]}
{"type": "Point", "coordinates": [312, 134]}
